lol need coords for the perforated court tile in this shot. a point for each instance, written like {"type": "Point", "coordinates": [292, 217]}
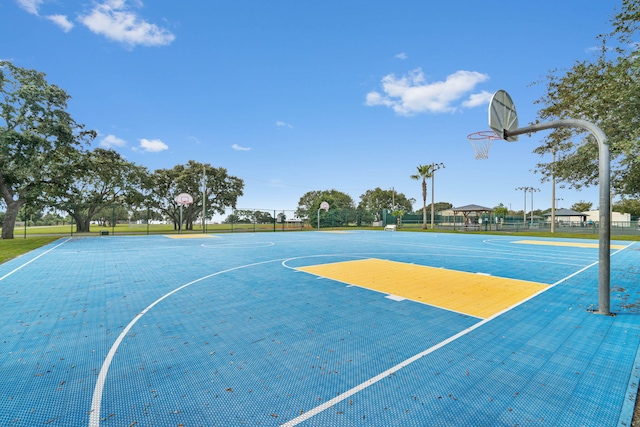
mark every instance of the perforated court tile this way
{"type": "Point", "coordinates": [568, 244]}
{"type": "Point", "coordinates": [477, 295]}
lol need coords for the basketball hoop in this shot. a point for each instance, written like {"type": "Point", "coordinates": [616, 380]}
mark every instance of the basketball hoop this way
{"type": "Point", "coordinates": [481, 142]}
{"type": "Point", "coordinates": [184, 199]}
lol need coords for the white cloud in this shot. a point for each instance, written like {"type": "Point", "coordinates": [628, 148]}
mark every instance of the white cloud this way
{"type": "Point", "coordinates": [283, 124]}
{"type": "Point", "coordinates": [239, 148]}
{"type": "Point", "coordinates": [401, 55]}
{"type": "Point", "coordinates": [115, 21]}
{"type": "Point", "coordinates": [111, 141]}
{"type": "Point", "coordinates": [61, 21]}
{"type": "Point", "coordinates": [412, 94]}
{"type": "Point", "coordinates": [478, 99]}
{"type": "Point", "coordinates": [30, 6]}
{"type": "Point", "coordinates": [153, 145]}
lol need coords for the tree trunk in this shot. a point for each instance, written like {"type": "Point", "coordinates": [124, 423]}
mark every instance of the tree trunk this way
{"type": "Point", "coordinates": [10, 217]}
{"type": "Point", "coordinates": [82, 225]}
{"type": "Point", "coordinates": [424, 204]}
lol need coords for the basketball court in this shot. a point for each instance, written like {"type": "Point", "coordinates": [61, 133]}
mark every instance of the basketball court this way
{"type": "Point", "coordinates": [318, 329]}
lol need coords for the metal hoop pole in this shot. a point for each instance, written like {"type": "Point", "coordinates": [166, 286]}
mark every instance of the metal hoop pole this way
{"type": "Point", "coordinates": [604, 181]}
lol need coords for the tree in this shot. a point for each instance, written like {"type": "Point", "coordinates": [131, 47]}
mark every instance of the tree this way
{"type": "Point", "coordinates": [603, 91]}
{"type": "Point", "coordinates": [582, 206]}
{"type": "Point", "coordinates": [103, 181]}
{"type": "Point", "coordinates": [265, 217]}
{"type": "Point", "coordinates": [398, 213]}
{"type": "Point", "coordinates": [424, 172]}
{"type": "Point", "coordinates": [630, 206]}
{"type": "Point", "coordinates": [232, 219]}
{"type": "Point", "coordinates": [374, 201]}
{"type": "Point", "coordinates": [440, 206]}
{"type": "Point", "coordinates": [38, 140]}
{"type": "Point", "coordinates": [222, 191]}
{"type": "Point", "coordinates": [309, 203]}
{"type": "Point", "coordinates": [145, 215]}
{"type": "Point", "coordinates": [500, 210]}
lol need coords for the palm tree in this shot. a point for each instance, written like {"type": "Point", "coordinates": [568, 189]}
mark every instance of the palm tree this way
{"type": "Point", "coordinates": [424, 172]}
{"type": "Point", "coordinates": [398, 214]}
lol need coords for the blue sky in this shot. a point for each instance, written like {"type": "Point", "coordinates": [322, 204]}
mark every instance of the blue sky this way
{"type": "Point", "coordinates": [294, 96]}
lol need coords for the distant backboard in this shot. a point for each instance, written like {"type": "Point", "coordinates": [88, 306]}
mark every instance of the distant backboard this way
{"type": "Point", "coordinates": [502, 115]}
{"type": "Point", "coordinates": [184, 199]}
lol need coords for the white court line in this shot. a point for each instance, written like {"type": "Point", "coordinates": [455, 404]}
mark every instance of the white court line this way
{"type": "Point", "coordinates": [96, 400]}
{"type": "Point", "coordinates": [328, 404]}
{"type": "Point", "coordinates": [30, 261]}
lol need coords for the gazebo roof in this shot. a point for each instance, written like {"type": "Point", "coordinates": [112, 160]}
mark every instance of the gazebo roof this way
{"type": "Point", "coordinates": [565, 212]}
{"type": "Point", "coordinates": [472, 208]}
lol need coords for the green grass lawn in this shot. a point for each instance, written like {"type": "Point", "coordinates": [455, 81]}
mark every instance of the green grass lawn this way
{"type": "Point", "coordinates": [67, 230]}
{"type": "Point", "coordinates": [12, 248]}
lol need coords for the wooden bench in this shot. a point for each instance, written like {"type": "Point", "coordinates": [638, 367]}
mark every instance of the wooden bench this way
{"type": "Point", "coordinates": [390, 227]}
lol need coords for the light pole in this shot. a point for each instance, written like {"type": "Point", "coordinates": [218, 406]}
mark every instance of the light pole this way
{"type": "Point", "coordinates": [434, 168]}
{"type": "Point", "coordinates": [524, 211]}
{"type": "Point", "coordinates": [557, 200]}
{"type": "Point", "coordinates": [553, 193]}
{"type": "Point", "coordinates": [204, 199]}
{"type": "Point", "coordinates": [532, 190]}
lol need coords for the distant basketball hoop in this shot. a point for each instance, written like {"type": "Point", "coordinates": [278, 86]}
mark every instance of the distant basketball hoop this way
{"type": "Point", "coordinates": [325, 206]}
{"type": "Point", "coordinates": [184, 199]}
{"type": "Point", "coordinates": [481, 142]}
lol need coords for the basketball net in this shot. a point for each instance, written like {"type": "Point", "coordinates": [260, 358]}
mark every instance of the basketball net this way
{"type": "Point", "coordinates": [481, 142]}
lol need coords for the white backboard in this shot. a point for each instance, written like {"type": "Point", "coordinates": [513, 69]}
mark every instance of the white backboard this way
{"type": "Point", "coordinates": [184, 199]}
{"type": "Point", "coordinates": [503, 115]}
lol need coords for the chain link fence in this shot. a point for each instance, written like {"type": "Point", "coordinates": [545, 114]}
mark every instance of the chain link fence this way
{"type": "Point", "coordinates": [118, 219]}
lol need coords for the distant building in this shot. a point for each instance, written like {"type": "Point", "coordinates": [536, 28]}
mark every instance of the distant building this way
{"type": "Point", "coordinates": [573, 218]}
{"type": "Point", "coordinates": [618, 219]}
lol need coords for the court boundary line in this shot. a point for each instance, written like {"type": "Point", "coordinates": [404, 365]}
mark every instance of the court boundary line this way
{"type": "Point", "coordinates": [332, 402]}
{"type": "Point", "coordinates": [31, 260]}
{"type": "Point", "coordinates": [96, 399]}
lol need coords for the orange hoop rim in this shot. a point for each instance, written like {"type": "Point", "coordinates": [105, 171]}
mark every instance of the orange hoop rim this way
{"type": "Point", "coordinates": [483, 134]}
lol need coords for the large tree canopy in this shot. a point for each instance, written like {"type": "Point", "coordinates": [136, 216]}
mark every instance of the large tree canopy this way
{"type": "Point", "coordinates": [101, 178]}
{"type": "Point", "coordinates": [38, 139]}
{"type": "Point", "coordinates": [222, 190]}
{"type": "Point", "coordinates": [376, 200]}
{"type": "Point", "coordinates": [606, 92]}
{"type": "Point", "coordinates": [309, 203]}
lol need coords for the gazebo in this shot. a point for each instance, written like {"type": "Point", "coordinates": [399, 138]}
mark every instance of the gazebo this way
{"type": "Point", "coordinates": [466, 210]}
{"type": "Point", "coordinates": [569, 216]}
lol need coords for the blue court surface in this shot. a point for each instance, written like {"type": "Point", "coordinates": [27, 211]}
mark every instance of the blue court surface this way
{"type": "Point", "coordinates": [226, 330]}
